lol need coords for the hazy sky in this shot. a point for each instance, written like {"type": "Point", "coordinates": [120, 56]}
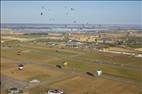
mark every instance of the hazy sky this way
{"type": "Point", "coordinates": [93, 12]}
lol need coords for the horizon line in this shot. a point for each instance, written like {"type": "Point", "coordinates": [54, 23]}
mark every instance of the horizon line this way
{"type": "Point", "coordinates": [75, 23]}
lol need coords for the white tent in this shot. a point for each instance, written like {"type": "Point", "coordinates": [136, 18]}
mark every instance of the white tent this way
{"type": "Point", "coordinates": [99, 72]}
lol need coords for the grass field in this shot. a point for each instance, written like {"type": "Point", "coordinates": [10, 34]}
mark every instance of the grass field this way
{"type": "Point", "coordinates": [40, 63]}
{"type": "Point", "coordinates": [86, 85]}
{"type": "Point", "coordinates": [30, 72]}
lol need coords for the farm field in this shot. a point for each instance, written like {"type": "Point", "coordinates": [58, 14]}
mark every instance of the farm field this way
{"type": "Point", "coordinates": [121, 73]}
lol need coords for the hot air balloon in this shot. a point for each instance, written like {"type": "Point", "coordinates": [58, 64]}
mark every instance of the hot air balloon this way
{"type": "Point", "coordinates": [72, 9]}
{"type": "Point", "coordinates": [41, 13]}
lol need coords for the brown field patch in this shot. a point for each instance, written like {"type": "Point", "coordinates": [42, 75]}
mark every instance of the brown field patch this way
{"type": "Point", "coordinates": [30, 71]}
{"type": "Point", "coordinates": [87, 85]}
